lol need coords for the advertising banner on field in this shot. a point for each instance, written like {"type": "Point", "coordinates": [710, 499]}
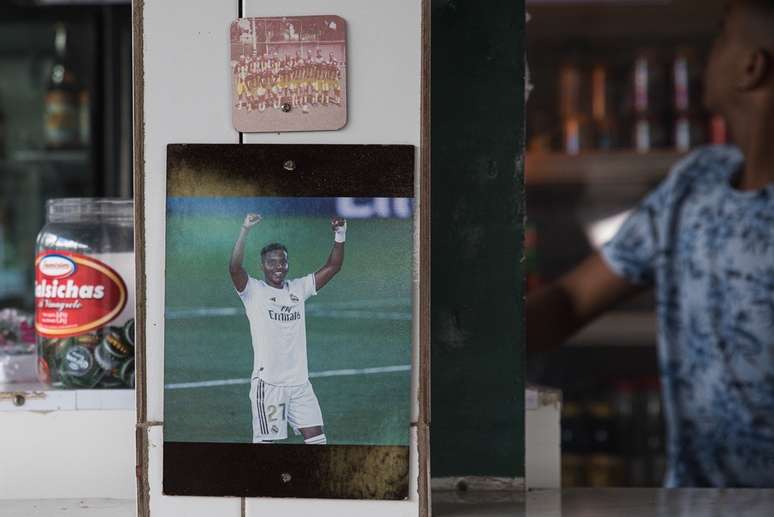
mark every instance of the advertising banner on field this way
{"type": "Point", "coordinates": [349, 207]}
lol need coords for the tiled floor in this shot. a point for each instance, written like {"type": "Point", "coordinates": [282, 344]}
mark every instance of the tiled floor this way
{"type": "Point", "coordinates": [621, 502]}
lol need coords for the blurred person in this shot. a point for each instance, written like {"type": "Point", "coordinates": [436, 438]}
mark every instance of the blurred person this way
{"type": "Point", "coordinates": [704, 238]}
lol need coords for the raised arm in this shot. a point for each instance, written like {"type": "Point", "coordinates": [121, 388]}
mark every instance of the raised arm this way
{"type": "Point", "coordinates": [557, 311]}
{"type": "Point", "coordinates": [336, 258]}
{"type": "Point", "coordinates": [238, 273]}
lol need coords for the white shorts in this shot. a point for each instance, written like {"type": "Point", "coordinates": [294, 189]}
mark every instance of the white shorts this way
{"type": "Point", "coordinates": [274, 407]}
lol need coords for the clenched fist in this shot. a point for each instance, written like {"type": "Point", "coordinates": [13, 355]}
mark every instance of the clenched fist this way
{"type": "Point", "coordinates": [251, 220]}
{"type": "Point", "coordinates": [339, 227]}
{"type": "Point", "coordinates": [338, 222]}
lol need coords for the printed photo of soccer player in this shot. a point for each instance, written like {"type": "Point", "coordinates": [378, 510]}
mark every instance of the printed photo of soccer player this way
{"type": "Point", "coordinates": [280, 391]}
{"type": "Point", "coordinates": [276, 338]}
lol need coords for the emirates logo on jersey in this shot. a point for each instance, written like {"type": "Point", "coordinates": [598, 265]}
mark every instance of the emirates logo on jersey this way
{"type": "Point", "coordinates": [284, 314]}
{"type": "Point", "coordinates": [293, 298]}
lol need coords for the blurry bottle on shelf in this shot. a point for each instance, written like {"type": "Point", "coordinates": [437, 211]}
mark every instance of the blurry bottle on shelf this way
{"type": "Point", "coordinates": [84, 117]}
{"type": "Point", "coordinates": [654, 430]}
{"type": "Point", "coordinates": [689, 132]}
{"type": "Point", "coordinates": [718, 131]}
{"type": "Point", "coordinates": [629, 418]}
{"type": "Point", "coordinates": [61, 110]}
{"type": "Point", "coordinates": [531, 261]}
{"type": "Point", "coordinates": [648, 128]}
{"type": "Point", "coordinates": [605, 465]}
{"type": "Point", "coordinates": [574, 444]}
{"type": "Point", "coordinates": [605, 470]}
{"type": "Point", "coordinates": [605, 132]}
{"type": "Point", "coordinates": [602, 427]}
{"type": "Point", "coordinates": [539, 128]}
{"type": "Point", "coordinates": [573, 470]}
{"type": "Point", "coordinates": [576, 130]}
{"type": "Point", "coordinates": [623, 409]}
{"type": "Point", "coordinates": [686, 74]}
{"type": "Point", "coordinates": [689, 124]}
{"type": "Point", "coordinates": [2, 131]}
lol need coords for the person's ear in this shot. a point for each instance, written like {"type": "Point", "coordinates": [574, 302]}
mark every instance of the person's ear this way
{"type": "Point", "coordinates": [757, 67]}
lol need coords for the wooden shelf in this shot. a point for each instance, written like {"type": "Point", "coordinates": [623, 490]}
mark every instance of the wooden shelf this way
{"type": "Point", "coordinates": [612, 168]}
{"type": "Point", "coordinates": [38, 397]}
{"type": "Point", "coordinates": [76, 156]}
{"type": "Point", "coordinates": [89, 507]}
{"type": "Point", "coordinates": [619, 328]}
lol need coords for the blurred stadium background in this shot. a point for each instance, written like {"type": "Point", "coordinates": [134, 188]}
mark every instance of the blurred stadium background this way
{"type": "Point", "coordinates": [358, 326]}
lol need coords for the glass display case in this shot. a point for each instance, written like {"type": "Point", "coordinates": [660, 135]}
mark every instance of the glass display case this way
{"type": "Point", "coordinates": [65, 121]}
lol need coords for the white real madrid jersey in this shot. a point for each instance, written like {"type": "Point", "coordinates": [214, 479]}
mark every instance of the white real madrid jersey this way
{"type": "Point", "coordinates": [278, 329]}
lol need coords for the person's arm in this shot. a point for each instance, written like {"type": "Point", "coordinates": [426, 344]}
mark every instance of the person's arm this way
{"type": "Point", "coordinates": [560, 309]}
{"type": "Point", "coordinates": [238, 273]}
{"type": "Point", "coordinates": [336, 258]}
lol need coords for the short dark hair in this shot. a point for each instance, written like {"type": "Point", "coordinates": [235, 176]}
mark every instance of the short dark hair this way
{"type": "Point", "coordinates": [762, 6]}
{"type": "Point", "coordinates": [763, 12]}
{"type": "Point", "coordinates": [273, 247]}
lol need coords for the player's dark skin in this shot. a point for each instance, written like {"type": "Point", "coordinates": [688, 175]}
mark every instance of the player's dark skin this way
{"type": "Point", "coordinates": [275, 268]}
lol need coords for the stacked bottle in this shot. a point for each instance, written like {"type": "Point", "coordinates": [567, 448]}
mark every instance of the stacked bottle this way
{"type": "Point", "coordinates": [688, 124]}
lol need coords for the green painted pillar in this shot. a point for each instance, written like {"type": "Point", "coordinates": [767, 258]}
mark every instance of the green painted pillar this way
{"type": "Point", "coordinates": [477, 197]}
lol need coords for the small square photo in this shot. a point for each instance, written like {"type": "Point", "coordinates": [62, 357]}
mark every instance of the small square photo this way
{"type": "Point", "coordinates": [289, 74]}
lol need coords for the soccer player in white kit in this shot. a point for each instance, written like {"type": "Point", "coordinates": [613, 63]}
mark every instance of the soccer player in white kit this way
{"type": "Point", "coordinates": [280, 391]}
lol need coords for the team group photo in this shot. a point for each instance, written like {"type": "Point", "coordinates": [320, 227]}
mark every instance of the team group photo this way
{"type": "Point", "coordinates": [288, 71]}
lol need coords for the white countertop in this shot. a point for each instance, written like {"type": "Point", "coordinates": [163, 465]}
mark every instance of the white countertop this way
{"type": "Point", "coordinates": [609, 502]}
{"type": "Point", "coordinates": [69, 507]}
{"type": "Point", "coordinates": [39, 397]}
{"type": "Point", "coordinates": [575, 502]}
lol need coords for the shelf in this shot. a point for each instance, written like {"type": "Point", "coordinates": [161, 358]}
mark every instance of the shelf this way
{"type": "Point", "coordinates": [39, 397]}
{"type": "Point", "coordinates": [611, 168]}
{"type": "Point", "coordinates": [619, 329]}
{"type": "Point", "coordinates": [89, 507]}
{"type": "Point", "coordinates": [536, 397]}
{"type": "Point", "coordinates": [76, 156]}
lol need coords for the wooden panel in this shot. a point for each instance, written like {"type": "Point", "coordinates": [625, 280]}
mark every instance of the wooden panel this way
{"type": "Point", "coordinates": [334, 508]}
{"type": "Point", "coordinates": [318, 170]}
{"type": "Point", "coordinates": [286, 470]}
{"type": "Point", "coordinates": [375, 471]}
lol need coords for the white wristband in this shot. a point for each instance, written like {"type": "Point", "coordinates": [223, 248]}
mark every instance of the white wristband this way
{"type": "Point", "coordinates": [340, 234]}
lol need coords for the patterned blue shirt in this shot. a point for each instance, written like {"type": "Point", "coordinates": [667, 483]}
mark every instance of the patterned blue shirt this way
{"type": "Point", "coordinates": [709, 250]}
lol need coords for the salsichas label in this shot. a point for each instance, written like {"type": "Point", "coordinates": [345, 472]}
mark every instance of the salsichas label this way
{"type": "Point", "coordinates": [75, 294]}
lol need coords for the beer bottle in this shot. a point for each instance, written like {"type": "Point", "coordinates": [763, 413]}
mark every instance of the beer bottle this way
{"type": "Point", "coordinates": [60, 129]}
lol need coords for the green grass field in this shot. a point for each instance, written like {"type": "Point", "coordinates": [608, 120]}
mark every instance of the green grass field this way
{"type": "Point", "coordinates": [360, 320]}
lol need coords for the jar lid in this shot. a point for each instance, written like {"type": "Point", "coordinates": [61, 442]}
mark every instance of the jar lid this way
{"type": "Point", "coordinates": [79, 209]}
